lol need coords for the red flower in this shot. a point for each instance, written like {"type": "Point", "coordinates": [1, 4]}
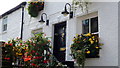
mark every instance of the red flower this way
{"type": "Point", "coordinates": [36, 53]}
{"type": "Point", "coordinates": [36, 6]}
{"type": "Point", "coordinates": [37, 57]}
{"type": "Point", "coordinates": [20, 43]}
{"type": "Point", "coordinates": [40, 57]}
{"type": "Point", "coordinates": [33, 64]}
{"type": "Point", "coordinates": [7, 58]}
{"type": "Point", "coordinates": [33, 51]}
{"type": "Point", "coordinates": [10, 44]}
{"type": "Point", "coordinates": [45, 61]}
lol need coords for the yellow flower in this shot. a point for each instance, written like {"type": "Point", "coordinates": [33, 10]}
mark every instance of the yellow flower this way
{"type": "Point", "coordinates": [23, 47]}
{"type": "Point", "coordinates": [92, 42]}
{"type": "Point", "coordinates": [88, 52]}
{"type": "Point", "coordinates": [96, 41]}
{"type": "Point", "coordinates": [20, 54]}
{"type": "Point", "coordinates": [74, 39]}
{"type": "Point", "coordinates": [90, 39]}
{"type": "Point", "coordinates": [62, 49]}
{"type": "Point", "coordinates": [96, 47]}
{"type": "Point", "coordinates": [26, 47]}
{"type": "Point", "coordinates": [101, 44]}
{"type": "Point", "coordinates": [88, 34]}
{"type": "Point", "coordinates": [19, 50]}
{"type": "Point", "coordinates": [16, 53]}
{"type": "Point", "coordinates": [93, 37]}
{"type": "Point", "coordinates": [77, 35]}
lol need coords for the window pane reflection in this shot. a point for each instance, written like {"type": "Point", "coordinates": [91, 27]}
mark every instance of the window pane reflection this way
{"type": "Point", "coordinates": [85, 26]}
{"type": "Point", "coordinates": [94, 25]}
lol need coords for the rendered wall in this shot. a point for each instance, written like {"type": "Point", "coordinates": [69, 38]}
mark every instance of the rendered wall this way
{"type": "Point", "coordinates": [108, 28]}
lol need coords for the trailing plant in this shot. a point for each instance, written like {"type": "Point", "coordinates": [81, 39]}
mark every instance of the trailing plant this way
{"type": "Point", "coordinates": [34, 8]}
{"type": "Point", "coordinates": [82, 4]}
{"type": "Point", "coordinates": [85, 45]}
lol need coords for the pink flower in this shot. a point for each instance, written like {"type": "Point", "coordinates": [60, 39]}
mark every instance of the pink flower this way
{"type": "Point", "coordinates": [26, 45]}
{"type": "Point", "coordinates": [36, 53]}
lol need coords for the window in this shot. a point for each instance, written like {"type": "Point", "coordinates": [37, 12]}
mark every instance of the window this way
{"type": "Point", "coordinates": [4, 28]}
{"type": "Point", "coordinates": [36, 31]}
{"type": "Point", "coordinates": [90, 25]}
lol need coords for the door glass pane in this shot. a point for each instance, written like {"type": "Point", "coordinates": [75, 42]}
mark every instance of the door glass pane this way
{"type": "Point", "coordinates": [94, 25]}
{"type": "Point", "coordinates": [85, 26]}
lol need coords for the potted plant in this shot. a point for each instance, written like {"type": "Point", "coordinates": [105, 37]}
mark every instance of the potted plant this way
{"type": "Point", "coordinates": [85, 46]}
{"type": "Point", "coordinates": [34, 7]}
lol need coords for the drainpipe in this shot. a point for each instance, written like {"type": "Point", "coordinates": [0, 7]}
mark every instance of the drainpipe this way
{"type": "Point", "coordinates": [21, 35]}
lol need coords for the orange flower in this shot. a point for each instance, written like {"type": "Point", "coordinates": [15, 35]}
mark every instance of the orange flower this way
{"type": "Point", "coordinates": [48, 40]}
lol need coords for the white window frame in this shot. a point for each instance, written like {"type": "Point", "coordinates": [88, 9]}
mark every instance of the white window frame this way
{"type": "Point", "coordinates": [4, 23]}
{"type": "Point", "coordinates": [90, 26]}
{"type": "Point", "coordinates": [90, 16]}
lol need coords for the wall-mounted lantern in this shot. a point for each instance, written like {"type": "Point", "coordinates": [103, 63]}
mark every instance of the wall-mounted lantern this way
{"type": "Point", "coordinates": [65, 12]}
{"type": "Point", "coordinates": [43, 21]}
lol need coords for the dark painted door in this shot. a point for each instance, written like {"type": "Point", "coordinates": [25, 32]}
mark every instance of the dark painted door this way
{"type": "Point", "coordinates": [60, 41]}
{"type": "Point", "coordinates": [60, 44]}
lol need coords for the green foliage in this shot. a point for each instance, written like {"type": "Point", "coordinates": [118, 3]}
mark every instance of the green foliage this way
{"type": "Point", "coordinates": [85, 45]}
{"type": "Point", "coordinates": [34, 8]}
{"type": "Point", "coordinates": [34, 52]}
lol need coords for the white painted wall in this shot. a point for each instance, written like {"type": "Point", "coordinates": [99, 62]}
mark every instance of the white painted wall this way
{"type": "Point", "coordinates": [108, 30]}
{"type": "Point", "coordinates": [108, 25]}
{"type": "Point", "coordinates": [14, 25]}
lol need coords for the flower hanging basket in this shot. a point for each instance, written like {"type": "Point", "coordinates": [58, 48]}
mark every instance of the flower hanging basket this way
{"type": "Point", "coordinates": [35, 7]}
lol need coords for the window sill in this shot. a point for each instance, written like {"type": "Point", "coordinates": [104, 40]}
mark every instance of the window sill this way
{"type": "Point", "coordinates": [4, 32]}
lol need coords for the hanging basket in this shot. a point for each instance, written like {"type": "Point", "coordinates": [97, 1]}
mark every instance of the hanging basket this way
{"type": "Point", "coordinates": [35, 7]}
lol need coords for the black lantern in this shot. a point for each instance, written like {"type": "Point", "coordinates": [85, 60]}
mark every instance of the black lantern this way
{"type": "Point", "coordinates": [47, 21]}
{"type": "Point", "coordinates": [65, 12]}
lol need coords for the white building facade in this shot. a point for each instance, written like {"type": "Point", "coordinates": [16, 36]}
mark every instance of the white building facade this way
{"type": "Point", "coordinates": [105, 12]}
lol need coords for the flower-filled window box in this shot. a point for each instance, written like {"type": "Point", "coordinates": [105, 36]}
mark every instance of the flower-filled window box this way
{"type": "Point", "coordinates": [85, 46]}
{"type": "Point", "coordinates": [34, 7]}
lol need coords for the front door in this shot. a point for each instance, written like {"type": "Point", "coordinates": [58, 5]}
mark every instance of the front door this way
{"type": "Point", "coordinates": [60, 41]}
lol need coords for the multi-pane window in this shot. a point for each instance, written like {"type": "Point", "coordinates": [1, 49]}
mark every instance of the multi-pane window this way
{"type": "Point", "coordinates": [4, 28]}
{"type": "Point", "coordinates": [90, 25]}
